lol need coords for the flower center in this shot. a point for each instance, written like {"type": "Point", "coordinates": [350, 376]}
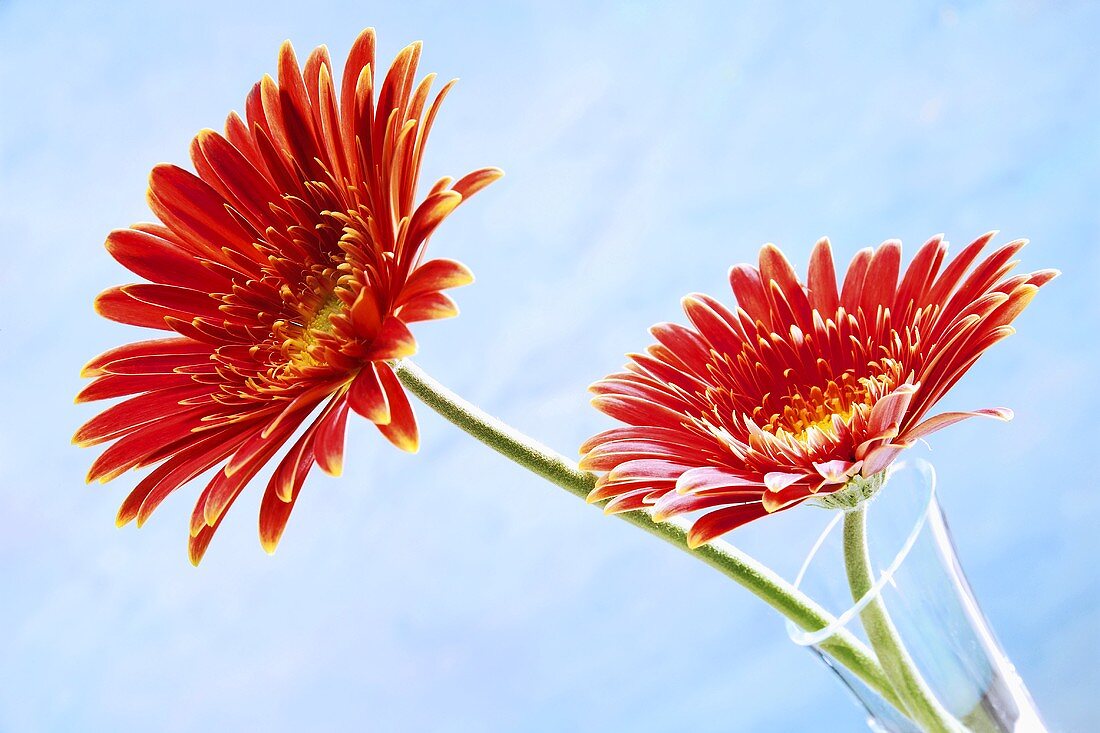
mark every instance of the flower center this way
{"type": "Point", "coordinates": [816, 408]}
{"type": "Point", "coordinates": [305, 345]}
{"type": "Point", "coordinates": [322, 319]}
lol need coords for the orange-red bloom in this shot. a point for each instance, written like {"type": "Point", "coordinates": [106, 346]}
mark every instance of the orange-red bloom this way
{"type": "Point", "coordinates": [804, 386]}
{"type": "Point", "coordinates": [286, 273]}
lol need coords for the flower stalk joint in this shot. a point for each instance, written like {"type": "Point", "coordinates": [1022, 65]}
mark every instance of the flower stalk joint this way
{"type": "Point", "coordinates": [858, 490]}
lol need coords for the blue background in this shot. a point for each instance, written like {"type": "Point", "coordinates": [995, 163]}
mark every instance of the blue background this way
{"type": "Point", "coordinates": [648, 147]}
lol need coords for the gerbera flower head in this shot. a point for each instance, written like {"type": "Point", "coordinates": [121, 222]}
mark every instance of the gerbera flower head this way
{"type": "Point", "coordinates": [285, 272]}
{"type": "Point", "coordinates": [803, 388]}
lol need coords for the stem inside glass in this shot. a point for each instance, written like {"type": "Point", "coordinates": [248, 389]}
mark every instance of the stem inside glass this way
{"type": "Point", "coordinates": [814, 638]}
{"type": "Point", "coordinates": [918, 581]}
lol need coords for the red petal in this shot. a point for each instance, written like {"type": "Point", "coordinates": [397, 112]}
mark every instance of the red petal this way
{"type": "Point", "coordinates": [142, 348]}
{"type": "Point", "coordinates": [120, 385]}
{"type": "Point", "coordinates": [687, 347]}
{"type": "Point", "coordinates": [367, 397]}
{"type": "Point", "coordinates": [365, 314]}
{"type": "Point", "coordinates": [360, 56]}
{"type": "Point", "coordinates": [296, 105]}
{"type": "Point", "coordinates": [161, 261]}
{"type": "Point", "coordinates": [711, 477]}
{"type": "Point", "coordinates": [984, 277]}
{"type": "Point", "coordinates": [918, 276]}
{"type": "Point", "coordinates": [435, 275]}
{"type": "Point", "coordinates": [307, 400]}
{"type": "Point", "coordinates": [877, 459]}
{"type": "Point", "coordinates": [430, 213]}
{"type": "Point", "coordinates": [673, 504]}
{"type": "Point", "coordinates": [852, 290]}
{"type": "Point", "coordinates": [116, 305]}
{"type": "Point", "coordinates": [628, 502]}
{"type": "Point", "coordinates": [775, 268]}
{"type": "Point", "coordinates": [890, 410]}
{"type": "Point", "coordinates": [427, 307]}
{"type": "Point", "coordinates": [648, 468]}
{"type": "Point", "coordinates": [655, 434]}
{"type": "Point", "coordinates": [261, 441]}
{"type": "Point", "coordinates": [718, 522]}
{"type": "Point", "coordinates": [1017, 300]}
{"type": "Point", "coordinates": [190, 303]}
{"type": "Point", "coordinates": [637, 411]}
{"type": "Point", "coordinates": [837, 471]}
{"type": "Point", "coordinates": [176, 471]}
{"type": "Point", "coordinates": [162, 364]}
{"type": "Point", "coordinates": [198, 543]}
{"type": "Point", "coordinates": [712, 324]}
{"type": "Point", "coordinates": [776, 481]}
{"type": "Point", "coordinates": [194, 210]}
{"type": "Point", "coordinates": [282, 491]}
{"type": "Point", "coordinates": [944, 419]}
{"type": "Point", "coordinates": [748, 288]}
{"type": "Point", "coordinates": [329, 444]}
{"type": "Point", "coordinates": [223, 489]}
{"type": "Point", "coordinates": [124, 417]}
{"type": "Point", "coordinates": [394, 341]}
{"type": "Point", "coordinates": [774, 501]}
{"type": "Point", "coordinates": [1042, 277]}
{"type": "Point", "coordinates": [606, 489]}
{"type": "Point", "coordinates": [143, 445]}
{"type": "Point", "coordinates": [609, 455]}
{"type": "Point", "coordinates": [236, 131]}
{"type": "Point", "coordinates": [881, 281]}
{"type": "Point", "coordinates": [821, 279]}
{"type": "Point", "coordinates": [473, 182]}
{"type": "Point", "coordinates": [401, 430]}
{"type": "Point", "coordinates": [329, 123]}
{"type": "Point", "coordinates": [958, 266]}
{"type": "Point", "coordinates": [252, 190]}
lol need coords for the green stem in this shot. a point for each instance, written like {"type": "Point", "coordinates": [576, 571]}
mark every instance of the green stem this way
{"type": "Point", "coordinates": [899, 667]}
{"type": "Point", "coordinates": [727, 559]}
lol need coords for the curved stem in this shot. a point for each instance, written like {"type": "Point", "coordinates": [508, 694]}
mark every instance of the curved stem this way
{"type": "Point", "coordinates": [899, 667]}
{"type": "Point", "coordinates": [727, 559]}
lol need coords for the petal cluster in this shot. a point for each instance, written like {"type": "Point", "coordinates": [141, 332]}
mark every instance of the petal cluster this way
{"type": "Point", "coordinates": [804, 385]}
{"type": "Point", "coordinates": [284, 273]}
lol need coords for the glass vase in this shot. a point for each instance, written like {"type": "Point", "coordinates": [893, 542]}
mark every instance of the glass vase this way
{"type": "Point", "coordinates": [927, 597]}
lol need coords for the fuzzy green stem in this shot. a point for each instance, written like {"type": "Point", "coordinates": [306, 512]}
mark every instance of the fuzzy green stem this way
{"type": "Point", "coordinates": [727, 559]}
{"type": "Point", "coordinates": [919, 701]}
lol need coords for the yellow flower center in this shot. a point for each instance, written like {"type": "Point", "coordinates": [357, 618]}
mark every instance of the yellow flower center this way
{"type": "Point", "coordinates": [322, 319]}
{"type": "Point", "coordinates": [816, 408]}
{"type": "Point", "coordinates": [303, 342]}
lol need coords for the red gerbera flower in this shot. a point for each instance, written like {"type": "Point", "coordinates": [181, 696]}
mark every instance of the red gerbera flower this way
{"type": "Point", "coordinates": [287, 271]}
{"type": "Point", "coordinates": [804, 386]}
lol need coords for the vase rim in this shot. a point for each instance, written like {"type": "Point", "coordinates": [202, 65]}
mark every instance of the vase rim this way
{"type": "Point", "coordinates": [803, 637]}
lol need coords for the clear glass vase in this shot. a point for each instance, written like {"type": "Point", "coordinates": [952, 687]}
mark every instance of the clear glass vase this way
{"type": "Point", "coordinates": [922, 586]}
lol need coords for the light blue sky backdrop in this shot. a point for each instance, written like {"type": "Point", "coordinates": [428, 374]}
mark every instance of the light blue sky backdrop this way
{"type": "Point", "coordinates": [648, 147]}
